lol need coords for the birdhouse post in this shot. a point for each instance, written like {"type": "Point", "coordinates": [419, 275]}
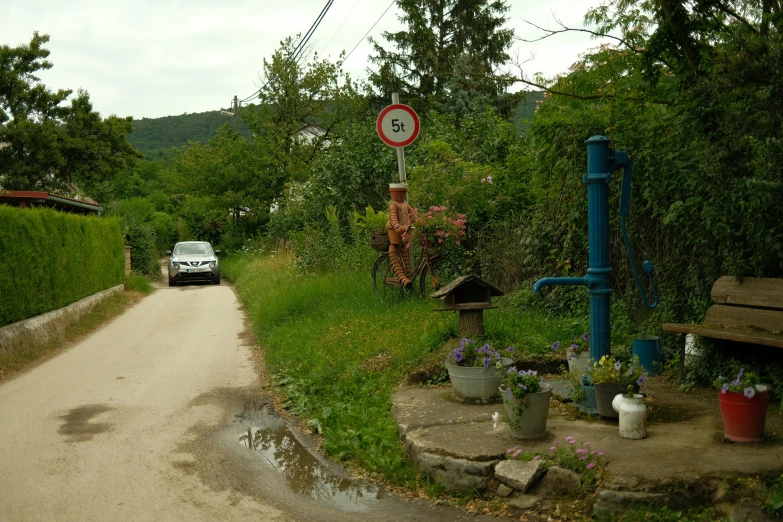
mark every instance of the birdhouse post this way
{"type": "Point", "coordinates": [470, 296]}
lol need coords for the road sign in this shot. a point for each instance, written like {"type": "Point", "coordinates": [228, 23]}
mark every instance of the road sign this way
{"type": "Point", "coordinates": [398, 125]}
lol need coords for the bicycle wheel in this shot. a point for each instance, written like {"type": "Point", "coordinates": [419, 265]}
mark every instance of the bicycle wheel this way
{"type": "Point", "coordinates": [443, 272]}
{"type": "Point", "coordinates": [381, 270]}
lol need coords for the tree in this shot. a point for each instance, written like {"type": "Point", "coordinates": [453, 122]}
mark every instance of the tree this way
{"type": "Point", "coordinates": [449, 46]}
{"type": "Point", "coordinates": [302, 107]}
{"type": "Point", "coordinates": [48, 142]}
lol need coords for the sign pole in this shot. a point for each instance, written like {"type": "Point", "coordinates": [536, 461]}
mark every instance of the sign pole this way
{"type": "Point", "coordinates": [400, 150]}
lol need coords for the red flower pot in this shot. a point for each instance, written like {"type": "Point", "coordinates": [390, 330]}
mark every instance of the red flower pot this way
{"type": "Point", "coordinates": [743, 418]}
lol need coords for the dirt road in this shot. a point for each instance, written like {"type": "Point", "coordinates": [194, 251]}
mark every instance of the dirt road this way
{"type": "Point", "coordinates": [151, 418]}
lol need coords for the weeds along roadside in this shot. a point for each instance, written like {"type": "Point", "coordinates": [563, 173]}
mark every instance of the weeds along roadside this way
{"type": "Point", "coordinates": [335, 352]}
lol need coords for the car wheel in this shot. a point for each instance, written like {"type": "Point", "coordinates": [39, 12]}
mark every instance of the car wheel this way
{"type": "Point", "coordinates": [216, 281]}
{"type": "Point", "coordinates": [172, 282]}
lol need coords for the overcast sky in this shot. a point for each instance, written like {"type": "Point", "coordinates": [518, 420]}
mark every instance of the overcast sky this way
{"type": "Point", "coordinates": [168, 57]}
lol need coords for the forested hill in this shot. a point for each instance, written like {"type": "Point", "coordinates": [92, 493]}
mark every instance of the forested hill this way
{"type": "Point", "coordinates": [155, 137]}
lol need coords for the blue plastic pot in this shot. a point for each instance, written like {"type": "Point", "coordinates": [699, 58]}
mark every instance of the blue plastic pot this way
{"type": "Point", "coordinates": [648, 349]}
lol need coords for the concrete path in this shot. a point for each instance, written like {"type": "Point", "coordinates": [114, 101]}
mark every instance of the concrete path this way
{"type": "Point", "coordinates": [149, 418]}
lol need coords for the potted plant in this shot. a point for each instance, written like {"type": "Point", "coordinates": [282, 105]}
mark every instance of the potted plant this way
{"type": "Point", "coordinates": [611, 377]}
{"type": "Point", "coordinates": [436, 227]}
{"type": "Point", "coordinates": [374, 224]}
{"type": "Point", "coordinates": [743, 406]}
{"type": "Point", "coordinates": [577, 354]}
{"type": "Point", "coordinates": [475, 371]}
{"type": "Point", "coordinates": [526, 402]}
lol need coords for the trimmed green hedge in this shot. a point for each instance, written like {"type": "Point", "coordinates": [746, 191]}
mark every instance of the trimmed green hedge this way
{"type": "Point", "coordinates": [49, 259]}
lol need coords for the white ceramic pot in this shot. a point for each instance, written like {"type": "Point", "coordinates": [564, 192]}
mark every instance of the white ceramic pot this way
{"type": "Point", "coordinates": [633, 415]}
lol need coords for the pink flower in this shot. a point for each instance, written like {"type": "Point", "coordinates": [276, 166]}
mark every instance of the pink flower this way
{"type": "Point", "coordinates": [572, 442]}
{"type": "Point", "coordinates": [581, 451]}
{"type": "Point", "coordinates": [516, 453]}
{"type": "Point", "coordinates": [583, 457]}
{"type": "Point", "coordinates": [556, 442]}
{"type": "Point", "coordinates": [489, 180]}
{"type": "Point", "coordinates": [537, 457]}
{"type": "Point", "coordinates": [600, 453]}
{"type": "Point", "coordinates": [586, 444]}
{"type": "Point", "coordinates": [591, 465]}
{"type": "Point", "coordinates": [593, 452]}
{"type": "Point", "coordinates": [553, 448]}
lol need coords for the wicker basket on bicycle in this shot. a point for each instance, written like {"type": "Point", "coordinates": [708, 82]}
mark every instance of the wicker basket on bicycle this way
{"type": "Point", "coordinates": [380, 242]}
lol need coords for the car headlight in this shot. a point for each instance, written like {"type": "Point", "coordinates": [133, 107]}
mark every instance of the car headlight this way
{"type": "Point", "coordinates": [212, 264]}
{"type": "Point", "coordinates": [175, 264]}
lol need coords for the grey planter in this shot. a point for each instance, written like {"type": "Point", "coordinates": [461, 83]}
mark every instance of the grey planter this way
{"type": "Point", "coordinates": [527, 416]}
{"type": "Point", "coordinates": [477, 384]}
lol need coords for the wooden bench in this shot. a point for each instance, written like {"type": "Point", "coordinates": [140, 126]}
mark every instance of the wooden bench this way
{"type": "Point", "coordinates": [750, 311]}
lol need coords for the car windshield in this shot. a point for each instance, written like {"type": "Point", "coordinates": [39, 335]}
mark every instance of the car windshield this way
{"type": "Point", "coordinates": [193, 249]}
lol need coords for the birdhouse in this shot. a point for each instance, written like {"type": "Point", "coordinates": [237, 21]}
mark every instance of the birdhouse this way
{"type": "Point", "coordinates": [470, 296]}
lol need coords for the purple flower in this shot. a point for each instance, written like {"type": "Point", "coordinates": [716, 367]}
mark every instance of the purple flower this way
{"type": "Point", "coordinates": [510, 349]}
{"type": "Point", "coordinates": [523, 386]}
{"type": "Point", "coordinates": [458, 356]}
{"type": "Point", "coordinates": [463, 342]}
{"type": "Point", "coordinates": [586, 337]}
{"type": "Point", "coordinates": [617, 366]}
{"type": "Point", "coordinates": [487, 362]}
{"type": "Point", "coordinates": [630, 371]}
{"type": "Point", "coordinates": [512, 370]}
{"type": "Point", "coordinates": [749, 392]}
{"type": "Point", "coordinates": [555, 346]}
{"type": "Point", "coordinates": [571, 356]}
{"type": "Point", "coordinates": [725, 388]}
{"type": "Point", "coordinates": [591, 465]}
{"type": "Point", "coordinates": [641, 380]}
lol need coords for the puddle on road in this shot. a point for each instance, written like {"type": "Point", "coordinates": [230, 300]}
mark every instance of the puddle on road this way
{"type": "Point", "coordinates": [305, 474]}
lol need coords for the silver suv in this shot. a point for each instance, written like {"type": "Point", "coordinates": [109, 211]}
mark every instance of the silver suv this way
{"type": "Point", "coordinates": [193, 261]}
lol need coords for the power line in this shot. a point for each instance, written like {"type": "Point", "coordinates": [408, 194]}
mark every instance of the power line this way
{"type": "Point", "coordinates": [294, 55]}
{"type": "Point", "coordinates": [343, 23]}
{"type": "Point", "coordinates": [368, 31]}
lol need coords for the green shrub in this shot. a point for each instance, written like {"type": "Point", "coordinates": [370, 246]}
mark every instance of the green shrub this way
{"type": "Point", "coordinates": [51, 259]}
{"type": "Point", "coordinates": [138, 283]}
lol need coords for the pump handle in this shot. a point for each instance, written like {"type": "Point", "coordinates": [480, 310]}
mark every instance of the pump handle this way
{"type": "Point", "coordinates": [622, 159]}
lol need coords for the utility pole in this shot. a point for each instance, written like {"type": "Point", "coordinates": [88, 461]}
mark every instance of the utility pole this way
{"type": "Point", "coordinates": [234, 114]}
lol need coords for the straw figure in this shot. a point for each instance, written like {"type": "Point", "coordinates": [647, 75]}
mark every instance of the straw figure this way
{"type": "Point", "coordinates": [400, 219]}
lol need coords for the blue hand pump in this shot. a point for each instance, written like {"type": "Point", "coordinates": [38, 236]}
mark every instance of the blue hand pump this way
{"type": "Point", "coordinates": [601, 162]}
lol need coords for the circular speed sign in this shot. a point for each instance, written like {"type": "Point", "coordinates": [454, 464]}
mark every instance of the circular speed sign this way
{"type": "Point", "coordinates": [398, 125]}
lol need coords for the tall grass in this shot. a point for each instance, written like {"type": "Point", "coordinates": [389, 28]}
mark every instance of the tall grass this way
{"type": "Point", "coordinates": [337, 352]}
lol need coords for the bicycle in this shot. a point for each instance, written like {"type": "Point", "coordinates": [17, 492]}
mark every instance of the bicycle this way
{"type": "Point", "coordinates": [433, 271]}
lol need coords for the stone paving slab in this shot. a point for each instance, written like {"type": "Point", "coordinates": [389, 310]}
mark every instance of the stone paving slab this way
{"type": "Point", "coordinates": [434, 424]}
{"type": "Point", "coordinates": [412, 409]}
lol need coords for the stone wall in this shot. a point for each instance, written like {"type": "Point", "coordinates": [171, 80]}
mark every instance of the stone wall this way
{"type": "Point", "coordinates": [46, 327]}
{"type": "Point", "coordinates": [127, 260]}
